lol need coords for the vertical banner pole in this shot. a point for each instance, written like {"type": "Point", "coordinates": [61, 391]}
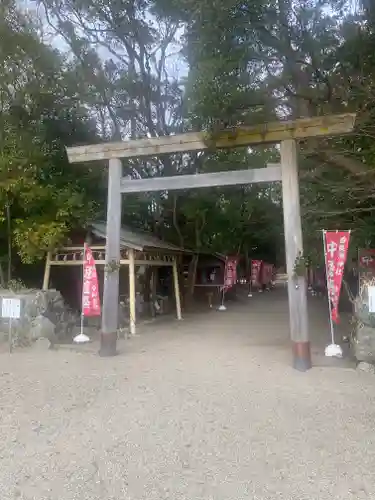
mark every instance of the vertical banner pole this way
{"type": "Point", "coordinates": [328, 292]}
{"type": "Point", "coordinates": [132, 292]}
{"type": "Point", "coordinates": [250, 293]}
{"type": "Point", "coordinates": [177, 289]}
{"type": "Point", "coordinates": [83, 281]}
{"type": "Point", "coordinates": [222, 305]}
{"type": "Point", "coordinates": [47, 271]}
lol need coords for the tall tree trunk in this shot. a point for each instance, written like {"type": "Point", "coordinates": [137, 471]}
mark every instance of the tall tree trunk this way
{"type": "Point", "coordinates": [175, 223]}
{"type": "Point", "coordinates": [247, 262]}
{"type": "Point", "coordinates": [2, 276]}
{"type": "Point", "coordinates": [301, 107]}
{"type": "Point", "coordinates": [192, 274]}
{"type": "Point", "coordinates": [200, 223]}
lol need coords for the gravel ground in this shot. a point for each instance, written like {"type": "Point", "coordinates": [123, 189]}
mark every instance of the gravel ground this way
{"type": "Point", "coordinates": [207, 408]}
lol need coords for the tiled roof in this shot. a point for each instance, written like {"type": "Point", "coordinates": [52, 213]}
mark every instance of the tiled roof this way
{"type": "Point", "coordinates": [138, 240]}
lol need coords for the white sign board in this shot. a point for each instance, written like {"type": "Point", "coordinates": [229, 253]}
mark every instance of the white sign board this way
{"type": "Point", "coordinates": [371, 299]}
{"type": "Point", "coordinates": [11, 308]}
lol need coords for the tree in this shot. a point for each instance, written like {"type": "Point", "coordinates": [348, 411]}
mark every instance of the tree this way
{"type": "Point", "coordinates": [42, 196]}
{"type": "Point", "coordinates": [248, 63]}
{"type": "Point", "coordinates": [305, 59]}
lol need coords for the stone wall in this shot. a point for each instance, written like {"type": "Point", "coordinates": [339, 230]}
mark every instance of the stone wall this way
{"type": "Point", "coordinates": [43, 314]}
{"type": "Point", "coordinates": [364, 342]}
{"type": "Point", "coordinates": [364, 346]}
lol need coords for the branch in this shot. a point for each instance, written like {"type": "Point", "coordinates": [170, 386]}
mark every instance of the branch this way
{"type": "Point", "coordinates": [352, 165]}
{"type": "Point", "coordinates": [340, 212]}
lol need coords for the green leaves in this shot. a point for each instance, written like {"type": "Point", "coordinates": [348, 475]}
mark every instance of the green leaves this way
{"type": "Point", "coordinates": [41, 196]}
{"type": "Point", "coordinates": [249, 62]}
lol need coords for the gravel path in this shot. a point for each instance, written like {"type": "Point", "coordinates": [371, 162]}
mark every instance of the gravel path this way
{"type": "Point", "coordinates": [205, 409]}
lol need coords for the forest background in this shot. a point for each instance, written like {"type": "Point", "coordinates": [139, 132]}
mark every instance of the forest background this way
{"type": "Point", "coordinates": [78, 72]}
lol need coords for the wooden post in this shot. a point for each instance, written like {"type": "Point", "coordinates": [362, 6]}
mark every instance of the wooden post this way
{"type": "Point", "coordinates": [47, 271]}
{"type": "Point", "coordinates": [108, 338]}
{"type": "Point", "coordinates": [154, 285]}
{"type": "Point", "coordinates": [177, 289]}
{"type": "Point", "coordinates": [132, 308]}
{"type": "Point", "coordinates": [298, 316]}
{"type": "Point", "coordinates": [264, 133]}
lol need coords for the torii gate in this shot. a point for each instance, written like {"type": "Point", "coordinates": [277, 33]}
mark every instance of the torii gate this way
{"type": "Point", "coordinates": [285, 133]}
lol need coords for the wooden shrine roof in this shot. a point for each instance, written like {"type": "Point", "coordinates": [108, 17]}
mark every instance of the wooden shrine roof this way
{"type": "Point", "coordinates": [136, 239]}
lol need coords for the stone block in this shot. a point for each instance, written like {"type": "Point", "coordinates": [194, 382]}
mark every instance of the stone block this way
{"type": "Point", "coordinates": [366, 367]}
{"type": "Point", "coordinates": [364, 346]}
{"type": "Point", "coordinates": [43, 315]}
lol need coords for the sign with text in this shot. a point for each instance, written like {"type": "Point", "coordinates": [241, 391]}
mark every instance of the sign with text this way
{"type": "Point", "coordinates": [11, 308]}
{"type": "Point", "coordinates": [336, 249]}
{"type": "Point", "coordinates": [366, 265]}
{"type": "Point", "coordinates": [371, 299]}
{"type": "Point", "coordinates": [90, 290]}
{"type": "Point", "coordinates": [230, 273]}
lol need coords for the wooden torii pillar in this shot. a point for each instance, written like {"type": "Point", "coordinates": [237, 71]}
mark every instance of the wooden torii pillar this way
{"type": "Point", "coordinates": [285, 133]}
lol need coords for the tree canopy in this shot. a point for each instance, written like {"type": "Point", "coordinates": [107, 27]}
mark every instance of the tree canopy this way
{"type": "Point", "coordinates": [83, 72]}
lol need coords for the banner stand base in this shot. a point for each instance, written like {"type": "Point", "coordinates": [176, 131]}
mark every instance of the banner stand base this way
{"type": "Point", "coordinates": [333, 351]}
{"type": "Point", "coordinates": [81, 338]}
{"type": "Point", "coordinates": [108, 344]}
{"type": "Point", "coordinates": [301, 356]}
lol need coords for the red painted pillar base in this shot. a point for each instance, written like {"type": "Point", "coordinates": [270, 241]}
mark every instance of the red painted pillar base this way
{"type": "Point", "coordinates": [301, 356]}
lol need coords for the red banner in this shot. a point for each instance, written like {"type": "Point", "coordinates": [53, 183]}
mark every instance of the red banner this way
{"type": "Point", "coordinates": [230, 273]}
{"type": "Point", "coordinates": [256, 266]}
{"type": "Point", "coordinates": [336, 250]}
{"type": "Point", "coordinates": [267, 273]}
{"type": "Point", "coordinates": [366, 257]}
{"type": "Point", "coordinates": [90, 290]}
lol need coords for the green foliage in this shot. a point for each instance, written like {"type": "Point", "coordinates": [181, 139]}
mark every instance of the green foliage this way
{"type": "Point", "coordinates": [40, 191]}
{"type": "Point", "coordinates": [254, 61]}
{"type": "Point", "coordinates": [41, 196]}
{"type": "Point", "coordinates": [15, 285]}
{"type": "Point", "coordinates": [114, 77]}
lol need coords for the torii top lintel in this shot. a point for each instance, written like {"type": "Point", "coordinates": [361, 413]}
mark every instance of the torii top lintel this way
{"type": "Point", "coordinates": [272, 132]}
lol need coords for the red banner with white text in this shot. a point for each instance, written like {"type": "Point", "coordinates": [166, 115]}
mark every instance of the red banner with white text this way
{"type": "Point", "coordinates": [336, 251]}
{"type": "Point", "coordinates": [90, 290]}
{"type": "Point", "coordinates": [267, 274]}
{"type": "Point", "coordinates": [256, 266]}
{"type": "Point", "coordinates": [366, 264]}
{"type": "Point", "coordinates": [230, 273]}
{"type": "Point", "coordinates": [366, 257]}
